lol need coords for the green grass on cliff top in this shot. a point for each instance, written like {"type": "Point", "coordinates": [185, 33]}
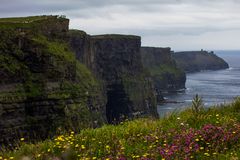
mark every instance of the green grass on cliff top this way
{"type": "Point", "coordinates": [212, 133]}
{"type": "Point", "coordinates": [24, 19]}
{"type": "Point", "coordinates": [25, 22]}
{"type": "Point", "coordinates": [116, 36]}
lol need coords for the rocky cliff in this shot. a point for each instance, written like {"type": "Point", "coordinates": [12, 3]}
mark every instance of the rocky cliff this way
{"type": "Point", "coordinates": [42, 86]}
{"type": "Point", "coordinates": [116, 61]}
{"type": "Point", "coordinates": [162, 67]}
{"type": "Point", "coordinates": [55, 78]}
{"type": "Point", "coordinates": [195, 61]}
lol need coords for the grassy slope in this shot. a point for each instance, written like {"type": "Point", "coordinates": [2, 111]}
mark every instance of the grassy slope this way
{"type": "Point", "coordinates": [211, 134]}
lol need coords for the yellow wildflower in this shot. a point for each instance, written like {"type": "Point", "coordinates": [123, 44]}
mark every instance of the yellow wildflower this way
{"type": "Point", "coordinates": [83, 147]}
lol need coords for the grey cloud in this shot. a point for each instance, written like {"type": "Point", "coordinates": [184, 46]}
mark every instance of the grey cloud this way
{"type": "Point", "coordinates": [148, 18]}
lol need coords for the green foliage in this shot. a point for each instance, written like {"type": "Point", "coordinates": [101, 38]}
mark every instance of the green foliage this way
{"type": "Point", "coordinates": [56, 48]}
{"type": "Point", "coordinates": [148, 138]}
{"type": "Point", "coordinates": [197, 104]}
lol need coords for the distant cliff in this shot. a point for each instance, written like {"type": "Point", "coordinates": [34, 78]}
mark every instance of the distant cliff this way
{"type": "Point", "coordinates": [195, 61]}
{"type": "Point", "coordinates": [55, 78]}
{"type": "Point", "coordinates": [162, 67]}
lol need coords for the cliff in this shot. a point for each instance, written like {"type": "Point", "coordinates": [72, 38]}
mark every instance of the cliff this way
{"type": "Point", "coordinates": [116, 61]}
{"type": "Point", "coordinates": [162, 67]}
{"type": "Point", "coordinates": [54, 78]}
{"type": "Point", "coordinates": [195, 61]}
{"type": "Point", "coordinates": [42, 86]}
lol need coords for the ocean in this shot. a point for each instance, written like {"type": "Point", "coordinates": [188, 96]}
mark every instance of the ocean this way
{"type": "Point", "coordinates": [215, 87]}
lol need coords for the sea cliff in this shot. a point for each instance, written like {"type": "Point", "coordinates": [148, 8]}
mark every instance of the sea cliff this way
{"type": "Point", "coordinates": [163, 70]}
{"type": "Point", "coordinates": [195, 61]}
{"type": "Point", "coordinates": [54, 78]}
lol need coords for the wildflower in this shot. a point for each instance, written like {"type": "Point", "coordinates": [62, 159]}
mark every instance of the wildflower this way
{"type": "Point", "coordinates": [76, 146]}
{"type": "Point", "coordinates": [197, 139]}
{"type": "Point", "coordinates": [233, 132]}
{"type": "Point", "coordinates": [22, 139]}
{"type": "Point", "coordinates": [11, 158]}
{"type": "Point", "coordinates": [206, 154]}
{"type": "Point", "coordinates": [1, 157]}
{"type": "Point", "coordinates": [145, 155]}
{"type": "Point", "coordinates": [122, 148]}
{"type": "Point", "coordinates": [94, 158]}
{"type": "Point", "coordinates": [217, 115]}
{"type": "Point", "coordinates": [178, 118]}
{"type": "Point", "coordinates": [39, 155]}
{"type": "Point", "coordinates": [182, 124]}
{"type": "Point", "coordinates": [201, 148]}
{"type": "Point", "coordinates": [83, 147]}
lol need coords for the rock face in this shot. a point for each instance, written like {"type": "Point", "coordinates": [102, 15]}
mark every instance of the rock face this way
{"type": "Point", "coordinates": [116, 61]}
{"type": "Point", "coordinates": [195, 61]}
{"type": "Point", "coordinates": [162, 67]}
{"type": "Point", "coordinates": [42, 85]}
{"type": "Point", "coordinates": [55, 78]}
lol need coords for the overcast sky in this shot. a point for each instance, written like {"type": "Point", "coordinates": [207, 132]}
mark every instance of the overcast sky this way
{"type": "Point", "coordinates": [179, 24]}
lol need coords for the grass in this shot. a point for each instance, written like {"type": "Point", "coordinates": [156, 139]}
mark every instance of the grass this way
{"type": "Point", "coordinates": [23, 19]}
{"type": "Point", "coordinates": [212, 133]}
{"type": "Point", "coordinates": [163, 69]}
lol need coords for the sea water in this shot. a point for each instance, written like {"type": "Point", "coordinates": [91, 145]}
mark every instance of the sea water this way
{"type": "Point", "coordinates": [215, 87]}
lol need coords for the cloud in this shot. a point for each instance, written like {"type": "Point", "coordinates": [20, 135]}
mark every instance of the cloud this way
{"type": "Point", "coordinates": [155, 20]}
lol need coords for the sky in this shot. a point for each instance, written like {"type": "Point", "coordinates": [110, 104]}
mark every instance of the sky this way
{"type": "Point", "coordinates": [179, 24]}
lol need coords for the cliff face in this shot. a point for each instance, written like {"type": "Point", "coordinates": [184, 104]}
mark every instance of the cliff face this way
{"type": "Point", "coordinates": [162, 67]}
{"type": "Point", "coordinates": [45, 86]}
{"type": "Point", "coordinates": [116, 61]}
{"type": "Point", "coordinates": [42, 85]}
{"type": "Point", "coordinates": [195, 61]}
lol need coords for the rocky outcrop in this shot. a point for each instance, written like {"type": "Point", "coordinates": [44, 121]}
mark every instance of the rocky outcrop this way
{"type": "Point", "coordinates": [195, 61]}
{"type": "Point", "coordinates": [162, 67]}
{"type": "Point", "coordinates": [42, 86]}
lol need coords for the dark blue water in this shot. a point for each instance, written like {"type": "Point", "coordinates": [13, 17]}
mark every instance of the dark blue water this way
{"type": "Point", "coordinates": [215, 87]}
